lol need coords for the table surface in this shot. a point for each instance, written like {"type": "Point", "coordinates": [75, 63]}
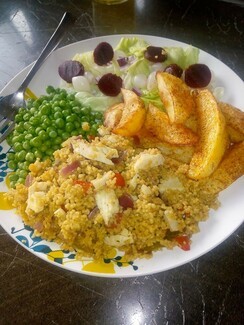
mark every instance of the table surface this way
{"type": "Point", "coordinates": [209, 290]}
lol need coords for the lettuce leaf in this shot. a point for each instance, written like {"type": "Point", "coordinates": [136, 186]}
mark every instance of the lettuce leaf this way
{"type": "Point", "coordinates": [132, 46]}
{"type": "Point", "coordinates": [182, 56]}
{"type": "Point", "coordinates": [87, 60]}
{"type": "Point", "coordinates": [140, 66]}
{"type": "Point", "coordinates": [98, 102]}
{"type": "Point", "coordinates": [153, 98]}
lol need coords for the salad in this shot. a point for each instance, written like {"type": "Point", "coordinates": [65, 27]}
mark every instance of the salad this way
{"type": "Point", "coordinates": [97, 76]}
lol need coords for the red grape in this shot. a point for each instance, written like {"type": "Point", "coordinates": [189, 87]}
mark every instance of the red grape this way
{"type": "Point", "coordinates": [110, 84]}
{"type": "Point", "coordinates": [155, 54]}
{"type": "Point", "coordinates": [197, 75]}
{"type": "Point", "coordinates": [103, 53]}
{"type": "Point", "coordinates": [69, 69]}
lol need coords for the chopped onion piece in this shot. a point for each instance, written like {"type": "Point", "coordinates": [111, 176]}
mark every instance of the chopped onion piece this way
{"type": "Point", "coordinates": [157, 66]}
{"type": "Point", "coordinates": [126, 201]}
{"type": "Point", "coordinates": [93, 213]}
{"type": "Point", "coordinates": [123, 61]}
{"type": "Point", "coordinates": [81, 83]}
{"type": "Point", "coordinates": [151, 81]}
{"type": "Point", "coordinates": [90, 77]}
{"type": "Point", "coordinates": [69, 169]}
{"type": "Point", "coordinates": [140, 81]}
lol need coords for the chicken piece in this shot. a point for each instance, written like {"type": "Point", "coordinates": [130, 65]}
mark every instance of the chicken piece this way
{"type": "Point", "coordinates": [95, 151]}
{"type": "Point", "coordinates": [107, 203]}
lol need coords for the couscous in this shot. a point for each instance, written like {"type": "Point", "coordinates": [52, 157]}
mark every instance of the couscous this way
{"type": "Point", "coordinates": [111, 192]}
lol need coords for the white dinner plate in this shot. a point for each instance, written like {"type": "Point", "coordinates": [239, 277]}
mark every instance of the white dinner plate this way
{"type": "Point", "coordinates": [220, 224]}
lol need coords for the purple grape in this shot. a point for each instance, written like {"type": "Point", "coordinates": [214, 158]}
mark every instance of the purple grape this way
{"type": "Point", "coordinates": [155, 54]}
{"type": "Point", "coordinates": [110, 84]}
{"type": "Point", "coordinates": [69, 69]}
{"type": "Point", "coordinates": [197, 75]}
{"type": "Point", "coordinates": [174, 69]}
{"type": "Point", "coordinates": [103, 53]}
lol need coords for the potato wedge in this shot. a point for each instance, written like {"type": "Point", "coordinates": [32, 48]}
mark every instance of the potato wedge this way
{"type": "Point", "coordinates": [234, 121]}
{"type": "Point", "coordinates": [133, 114]}
{"type": "Point", "coordinates": [230, 168]}
{"type": "Point", "coordinates": [233, 116]}
{"type": "Point", "coordinates": [113, 115]}
{"type": "Point", "coordinates": [234, 135]}
{"type": "Point", "coordinates": [213, 136]}
{"type": "Point", "coordinates": [176, 97]}
{"type": "Point", "coordinates": [157, 122]}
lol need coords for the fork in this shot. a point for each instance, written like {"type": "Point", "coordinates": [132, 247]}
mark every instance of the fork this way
{"type": "Point", "coordinates": [10, 104]}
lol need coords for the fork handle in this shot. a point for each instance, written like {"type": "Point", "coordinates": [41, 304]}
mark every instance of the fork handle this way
{"type": "Point", "coordinates": [53, 42]}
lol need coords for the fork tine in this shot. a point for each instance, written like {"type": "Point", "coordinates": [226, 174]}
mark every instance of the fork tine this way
{"type": "Point", "coordinates": [7, 128]}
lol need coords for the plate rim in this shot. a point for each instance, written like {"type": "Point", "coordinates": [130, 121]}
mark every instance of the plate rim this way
{"type": "Point", "coordinates": [118, 275]}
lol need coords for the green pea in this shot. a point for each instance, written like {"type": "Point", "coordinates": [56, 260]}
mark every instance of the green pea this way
{"type": "Point", "coordinates": [70, 97]}
{"type": "Point", "coordinates": [53, 134]}
{"type": "Point", "coordinates": [74, 133]}
{"type": "Point", "coordinates": [66, 112]}
{"type": "Point", "coordinates": [62, 103]}
{"type": "Point", "coordinates": [35, 142]}
{"type": "Point", "coordinates": [26, 116]}
{"type": "Point", "coordinates": [30, 157]}
{"type": "Point", "coordinates": [38, 154]}
{"type": "Point", "coordinates": [69, 127]}
{"type": "Point", "coordinates": [20, 156]}
{"type": "Point", "coordinates": [43, 147]}
{"type": "Point", "coordinates": [26, 145]}
{"type": "Point", "coordinates": [21, 180]}
{"type": "Point", "coordinates": [13, 177]}
{"type": "Point", "coordinates": [28, 136]}
{"type": "Point", "coordinates": [58, 140]}
{"type": "Point", "coordinates": [12, 164]}
{"type": "Point", "coordinates": [32, 110]}
{"type": "Point", "coordinates": [10, 156]}
{"type": "Point", "coordinates": [43, 135]}
{"type": "Point", "coordinates": [65, 135]}
{"type": "Point", "coordinates": [57, 115]}
{"type": "Point", "coordinates": [50, 89]}
{"type": "Point", "coordinates": [17, 146]}
{"type": "Point", "coordinates": [49, 152]}
{"type": "Point", "coordinates": [23, 173]}
{"type": "Point", "coordinates": [60, 123]}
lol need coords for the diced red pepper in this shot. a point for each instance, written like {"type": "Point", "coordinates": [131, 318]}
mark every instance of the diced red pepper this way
{"type": "Point", "coordinates": [183, 242]}
{"type": "Point", "coordinates": [91, 137]}
{"type": "Point", "coordinates": [136, 140]}
{"type": "Point", "coordinates": [85, 185]}
{"type": "Point", "coordinates": [120, 181]}
{"type": "Point", "coordinates": [117, 220]}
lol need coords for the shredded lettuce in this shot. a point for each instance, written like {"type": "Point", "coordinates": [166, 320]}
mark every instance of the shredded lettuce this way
{"type": "Point", "coordinates": [140, 66]}
{"type": "Point", "coordinates": [98, 102]}
{"type": "Point", "coordinates": [182, 56]}
{"type": "Point", "coordinates": [88, 61]}
{"type": "Point", "coordinates": [153, 98]}
{"type": "Point", "coordinates": [132, 46]}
